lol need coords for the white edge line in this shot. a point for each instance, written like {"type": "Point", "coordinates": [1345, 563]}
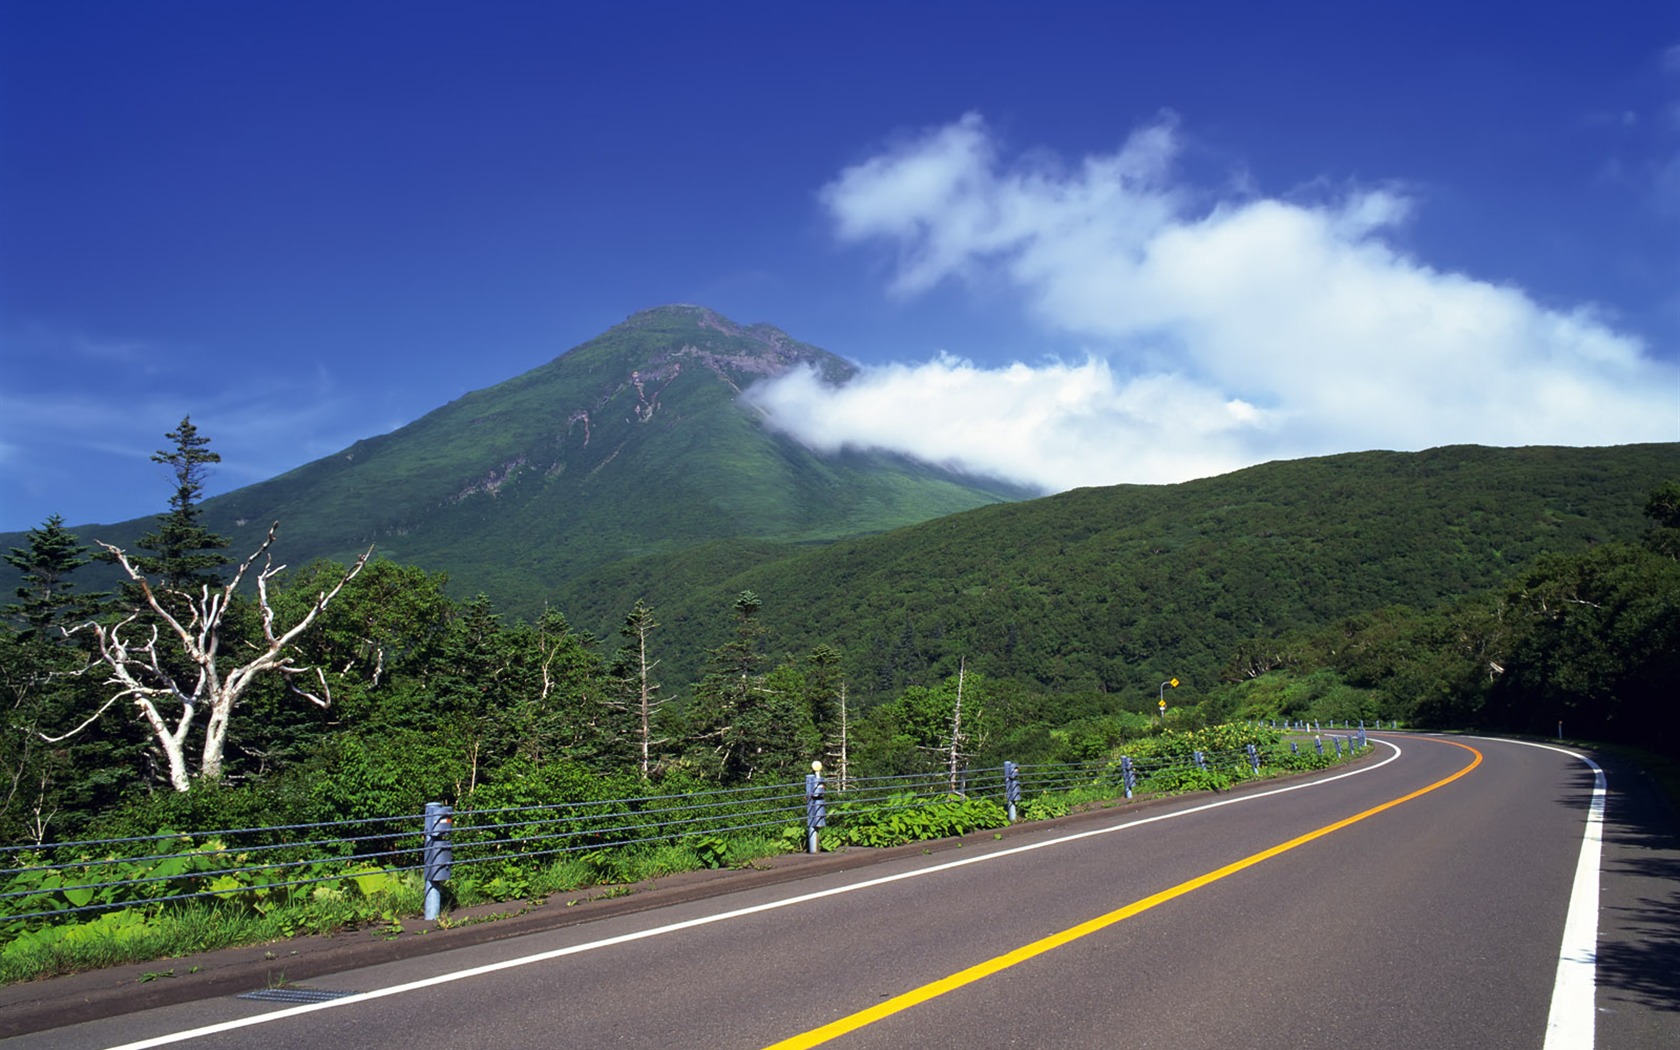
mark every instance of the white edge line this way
{"type": "Point", "coordinates": [706, 920]}
{"type": "Point", "coordinates": [1570, 1024]}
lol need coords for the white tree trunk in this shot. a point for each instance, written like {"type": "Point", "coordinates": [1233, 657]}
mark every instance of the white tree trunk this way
{"type": "Point", "coordinates": [137, 670]}
{"type": "Point", "coordinates": [956, 724]}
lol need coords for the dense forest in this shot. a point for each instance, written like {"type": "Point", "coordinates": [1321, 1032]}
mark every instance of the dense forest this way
{"type": "Point", "coordinates": [213, 689]}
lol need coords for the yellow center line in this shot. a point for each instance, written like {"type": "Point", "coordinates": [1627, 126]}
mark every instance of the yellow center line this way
{"type": "Point", "coordinates": [932, 990]}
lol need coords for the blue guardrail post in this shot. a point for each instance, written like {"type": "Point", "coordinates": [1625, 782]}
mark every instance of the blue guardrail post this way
{"type": "Point", "coordinates": [816, 809]}
{"type": "Point", "coordinates": [1128, 775]}
{"type": "Point", "coordinates": [438, 855]}
{"type": "Point", "coordinates": [1011, 788]}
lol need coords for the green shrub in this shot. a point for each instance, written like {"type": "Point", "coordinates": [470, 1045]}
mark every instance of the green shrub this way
{"type": "Point", "coordinates": [1045, 806]}
{"type": "Point", "coordinates": [1178, 780]}
{"type": "Point", "coordinates": [908, 818]}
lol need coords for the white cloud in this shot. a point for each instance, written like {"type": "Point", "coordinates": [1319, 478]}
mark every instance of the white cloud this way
{"type": "Point", "coordinates": [1250, 329]}
{"type": "Point", "coordinates": [1057, 425]}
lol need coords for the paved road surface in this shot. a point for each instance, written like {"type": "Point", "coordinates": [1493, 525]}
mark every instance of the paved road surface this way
{"type": "Point", "coordinates": [1417, 902]}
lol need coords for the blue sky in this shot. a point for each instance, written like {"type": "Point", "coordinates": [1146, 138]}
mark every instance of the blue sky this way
{"type": "Point", "coordinates": [1070, 243]}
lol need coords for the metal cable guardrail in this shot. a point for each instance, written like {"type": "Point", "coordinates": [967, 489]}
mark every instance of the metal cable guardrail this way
{"type": "Point", "coordinates": [75, 878]}
{"type": "Point", "coordinates": [72, 878]}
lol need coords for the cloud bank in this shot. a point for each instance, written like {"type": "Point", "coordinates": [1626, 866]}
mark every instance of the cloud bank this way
{"type": "Point", "coordinates": [1222, 330]}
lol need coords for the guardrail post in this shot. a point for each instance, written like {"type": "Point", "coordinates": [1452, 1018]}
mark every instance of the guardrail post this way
{"type": "Point", "coordinates": [816, 809]}
{"type": "Point", "coordinates": [1294, 747]}
{"type": "Point", "coordinates": [1011, 788]}
{"type": "Point", "coordinates": [1254, 759]}
{"type": "Point", "coordinates": [1201, 760]}
{"type": "Point", "coordinates": [438, 854]}
{"type": "Point", "coordinates": [1338, 742]}
{"type": "Point", "coordinates": [1362, 742]}
{"type": "Point", "coordinates": [1128, 775]}
{"type": "Point", "coordinates": [1320, 742]}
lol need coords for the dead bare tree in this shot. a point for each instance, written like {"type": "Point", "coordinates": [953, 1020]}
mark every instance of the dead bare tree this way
{"type": "Point", "coordinates": [843, 743]}
{"type": "Point", "coordinates": [957, 736]}
{"type": "Point", "coordinates": [954, 750]}
{"type": "Point", "coordinates": [641, 699]}
{"type": "Point", "coordinates": [140, 655]}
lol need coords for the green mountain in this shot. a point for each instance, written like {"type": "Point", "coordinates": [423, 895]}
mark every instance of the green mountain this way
{"type": "Point", "coordinates": [1114, 590]}
{"type": "Point", "coordinates": [632, 444]}
{"type": "Point", "coordinates": [628, 468]}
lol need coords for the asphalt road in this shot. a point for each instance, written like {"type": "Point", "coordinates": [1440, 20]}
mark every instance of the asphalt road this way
{"type": "Point", "coordinates": [1417, 902]}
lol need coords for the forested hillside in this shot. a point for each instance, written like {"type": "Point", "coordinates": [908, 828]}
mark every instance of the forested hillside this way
{"type": "Point", "coordinates": [1111, 590]}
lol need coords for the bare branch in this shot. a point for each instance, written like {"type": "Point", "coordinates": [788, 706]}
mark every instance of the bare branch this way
{"type": "Point", "coordinates": [321, 701]}
{"type": "Point", "coordinates": [141, 676]}
{"type": "Point", "coordinates": [95, 717]}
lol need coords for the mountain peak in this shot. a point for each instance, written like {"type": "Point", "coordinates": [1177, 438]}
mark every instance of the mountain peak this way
{"type": "Point", "coordinates": [689, 315]}
{"type": "Point", "coordinates": [686, 329]}
{"type": "Point", "coordinates": [676, 313]}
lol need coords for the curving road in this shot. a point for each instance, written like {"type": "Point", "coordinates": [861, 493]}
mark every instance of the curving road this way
{"type": "Point", "coordinates": [1417, 901]}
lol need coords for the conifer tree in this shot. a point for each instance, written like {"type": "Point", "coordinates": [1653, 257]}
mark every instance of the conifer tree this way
{"type": "Point", "coordinates": [52, 555]}
{"type": "Point", "coordinates": [727, 711]}
{"type": "Point", "coordinates": [184, 554]}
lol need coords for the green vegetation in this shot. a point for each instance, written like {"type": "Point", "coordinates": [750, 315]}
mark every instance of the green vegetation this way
{"type": "Point", "coordinates": [137, 932]}
{"type": "Point", "coordinates": [668, 608]}
{"type": "Point", "coordinates": [1106, 592]}
{"type": "Point", "coordinates": [896, 820]}
{"type": "Point", "coordinates": [1588, 643]}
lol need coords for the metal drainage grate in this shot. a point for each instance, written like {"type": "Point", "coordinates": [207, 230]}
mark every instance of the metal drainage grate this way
{"type": "Point", "coordinates": [294, 995]}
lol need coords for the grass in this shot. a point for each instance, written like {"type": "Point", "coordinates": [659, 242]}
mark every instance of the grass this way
{"type": "Point", "coordinates": [123, 937]}
{"type": "Point", "coordinates": [130, 936]}
{"type": "Point", "coordinates": [118, 938]}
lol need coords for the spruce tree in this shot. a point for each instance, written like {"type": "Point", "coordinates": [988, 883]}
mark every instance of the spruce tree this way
{"type": "Point", "coordinates": [52, 555]}
{"type": "Point", "coordinates": [184, 554]}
